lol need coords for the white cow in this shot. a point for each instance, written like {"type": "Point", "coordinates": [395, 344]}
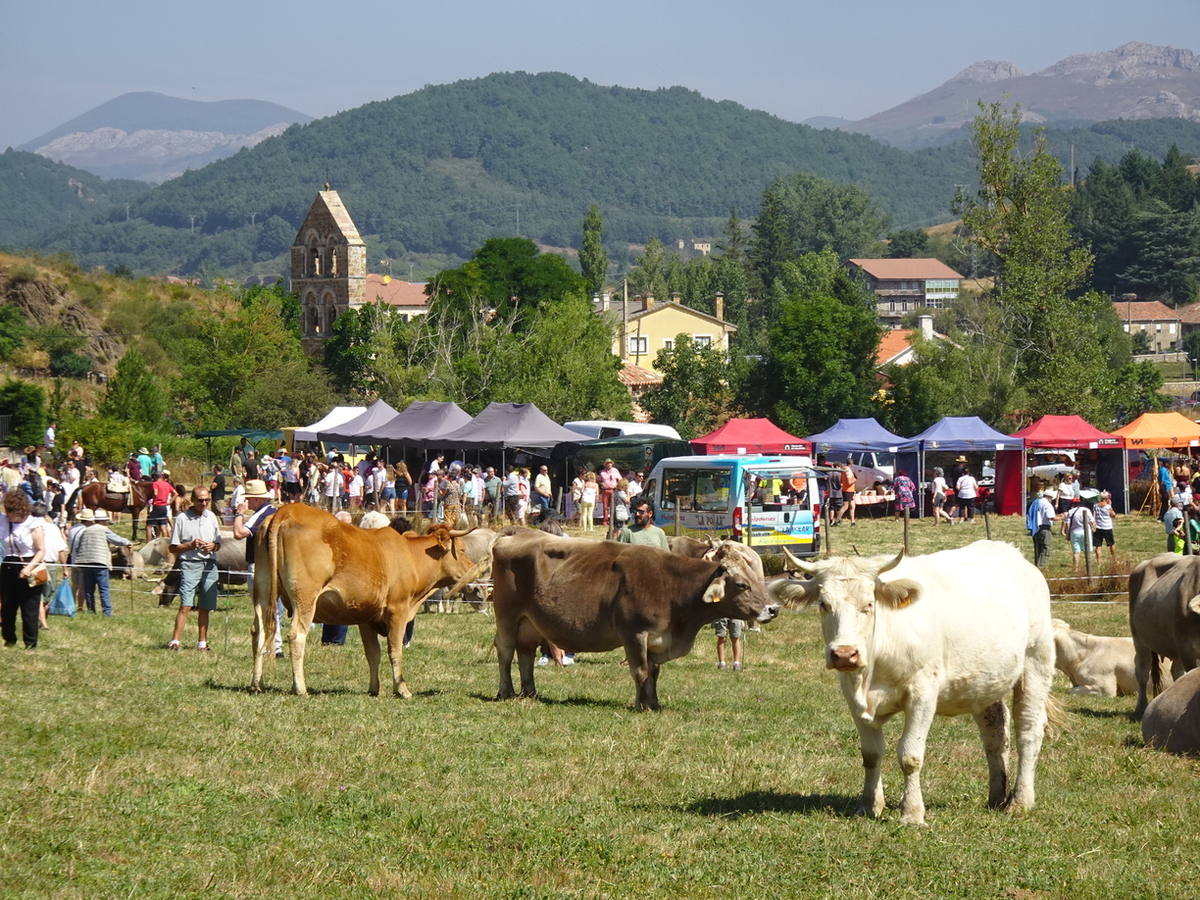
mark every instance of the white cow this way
{"type": "Point", "coordinates": [1097, 666]}
{"type": "Point", "coordinates": [946, 634]}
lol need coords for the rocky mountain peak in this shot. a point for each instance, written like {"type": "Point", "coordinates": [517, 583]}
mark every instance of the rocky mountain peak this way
{"type": "Point", "coordinates": [987, 71]}
{"type": "Point", "coordinates": [1134, 60]}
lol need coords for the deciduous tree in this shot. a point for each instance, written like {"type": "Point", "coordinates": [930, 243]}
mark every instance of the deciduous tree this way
{"type": "Point", "coordinates": [592, 258]}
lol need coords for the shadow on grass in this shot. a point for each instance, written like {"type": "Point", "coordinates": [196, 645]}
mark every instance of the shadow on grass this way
{"type": "Point", "coordinates": [1104, 713]}
{"type": "Point", "coordinates": [241, 688]}
{"type": "Point", "coordinates": [756, 802]}
{"type": "Point", "coordinates": [586, 702]}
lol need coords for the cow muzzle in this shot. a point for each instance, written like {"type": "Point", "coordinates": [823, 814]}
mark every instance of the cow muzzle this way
{"type": "Point", "coordinates": [768, 613]}
{"type": "Point", "coordinates": [843, 659]}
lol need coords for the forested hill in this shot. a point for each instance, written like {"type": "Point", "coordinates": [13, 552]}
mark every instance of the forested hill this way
{"type": "Point", "coordinates": [430, 175]}
{"type": "Point", "coordinates": [440, 170]}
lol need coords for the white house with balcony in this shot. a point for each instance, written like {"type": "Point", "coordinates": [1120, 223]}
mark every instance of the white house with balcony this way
{"type": "Point", "coordinates": [906, 285]}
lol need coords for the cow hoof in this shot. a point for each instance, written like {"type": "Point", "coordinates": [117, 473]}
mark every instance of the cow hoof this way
{"type": "Point", "coordinates": [374, 692]}
{"type": "Point", "coordinates": [404, 694]}
{"type": "Point", "coordinates": [256, 689]}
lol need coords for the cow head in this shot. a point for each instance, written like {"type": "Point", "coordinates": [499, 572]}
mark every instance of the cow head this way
{"type": "Point", "coordinates": [449, 548]}
{"type": "Point", "coordinates": [847, 591]}
{"type": "Point", "coordinates": [735, 584]}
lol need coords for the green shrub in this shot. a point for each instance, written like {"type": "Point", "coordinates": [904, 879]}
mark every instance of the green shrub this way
{"type": "Point", "coordinates": [23, 273]}
{"type": "Point", "coordinates": [71, 365]}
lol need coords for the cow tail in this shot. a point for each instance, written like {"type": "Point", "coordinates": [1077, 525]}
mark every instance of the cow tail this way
{"type": "Point", "coordinates": [1056, 718]}
{"type": "Point", "coordinates": [272, 526]}
{"type": "Point", "coordinates": [1156, 679]}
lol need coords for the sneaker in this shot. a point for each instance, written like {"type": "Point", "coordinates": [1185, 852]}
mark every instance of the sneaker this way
{"type": "Point", "coordinates": [543, 661]}
{"type": "Point", "coordinates": [722, 666]}
{"type": "Point", "coordinates": [568, 659]}
{"type": "Point", "coordinates": [204, 649]}
{"type": "Point", "coordinates": [737, 667]}
{"type": "Point", "coordinates": [279, 654]}
{"type": "Point", "coordinates": [174, 645]}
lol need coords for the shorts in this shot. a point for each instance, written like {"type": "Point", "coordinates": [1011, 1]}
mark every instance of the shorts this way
{"type": "Point", "coordinates": [291, 488]}
{"type": "Point", "coordinates": [1102, 536]}
{"type": "Point", "coordinates": [731, 628]}
{"type": "Point", "coordinates": [157, 516]}
{"type": "Point", "coordinates": [512, 505]}
{"type": "Point", "coordinates": [848, 497]}
{"type": "Point", "coordinates": [198, 581]}
{"type": "Point", "coordinates": [388, 493]}
{"type": "Point", "coordinates": [1078, 541]}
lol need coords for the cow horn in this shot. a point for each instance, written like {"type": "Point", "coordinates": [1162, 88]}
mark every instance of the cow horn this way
{"type": "Point", "coordinates": [797, 564]}
{"type": "Point", "coordinates": [456, 589]}
{"type": "Point", "coordinates": [888, 566]}
{"type": "Point", "coordinates": [458, 534]}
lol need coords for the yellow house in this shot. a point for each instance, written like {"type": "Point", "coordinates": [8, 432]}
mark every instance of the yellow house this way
{"type": "Point", "coordinates": [642, 327]}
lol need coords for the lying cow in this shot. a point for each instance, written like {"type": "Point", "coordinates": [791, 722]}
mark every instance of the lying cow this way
{"type": "Point", "coordinates": [1164, 620]}
{"type": "Point", "coordinates": [945, 634]}
{"type": "Point", "coordinates": [593, 596]}
{"type": "Point", "coordinates": [1097, 666]}
{"type": "Point", "coordinates": [1172, 720]}
{"type": "Point", "coordinates": [231, 569]}
{"type": "Point", "coordinates": [341, 575]}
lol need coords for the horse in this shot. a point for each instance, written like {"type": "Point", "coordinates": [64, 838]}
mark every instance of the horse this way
{"type": "Point", "coordinates": [95, 496]}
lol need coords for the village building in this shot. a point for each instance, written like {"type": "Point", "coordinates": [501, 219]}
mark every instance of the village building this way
{"type": "Point", "coordinates": [1161, 324]}
{"type": "Point", "coordinates": [906, 285]}
{"type": "Point", "coordinates": [643, 326]}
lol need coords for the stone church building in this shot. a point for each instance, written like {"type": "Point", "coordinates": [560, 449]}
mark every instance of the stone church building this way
{"type": "Point", "coordinates": [329, 265]}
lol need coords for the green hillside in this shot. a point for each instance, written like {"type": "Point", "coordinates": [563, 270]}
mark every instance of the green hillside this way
{"type": "Point", "coordinates": [37, 194]}
{"type": "Point", "coordinates": [429, 176]}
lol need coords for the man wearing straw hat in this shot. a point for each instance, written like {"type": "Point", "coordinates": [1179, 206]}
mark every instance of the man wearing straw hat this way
{"type": "Point", "coordinates": [91, 556]}
{"type": "Point", "coordinates": [246, 523]}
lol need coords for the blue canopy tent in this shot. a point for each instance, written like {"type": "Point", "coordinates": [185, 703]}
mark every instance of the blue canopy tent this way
{"type": "Point", "coordinates": [970, 434]}
{"type": "Point", "coordinates": [862, 435]}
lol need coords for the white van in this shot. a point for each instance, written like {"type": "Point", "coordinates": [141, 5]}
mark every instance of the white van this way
{"type": "Point", "coordinates": [766, 502]}
{"type": "Point", "coordinates": [594, 429]}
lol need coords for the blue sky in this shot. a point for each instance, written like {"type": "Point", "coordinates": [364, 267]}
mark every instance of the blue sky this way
{"type": "Point", "coordinates": [796, 60]}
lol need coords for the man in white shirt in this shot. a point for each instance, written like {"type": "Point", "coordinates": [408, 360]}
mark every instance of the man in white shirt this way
{"type": "Point", "coordinates": [1040, 524]}
{"type": "Point", "coordinates": [195, 539]}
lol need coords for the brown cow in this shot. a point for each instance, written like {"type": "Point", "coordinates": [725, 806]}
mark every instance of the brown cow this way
{"type": "Point", "coordinates": [594, 596]}
{"type": "Point", "coordinates": [335, 573]}
{"type": "Point", "coordinates": [1164, 620]}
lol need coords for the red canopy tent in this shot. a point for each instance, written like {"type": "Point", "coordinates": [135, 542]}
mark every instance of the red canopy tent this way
{"type": "Point", "coordinates": [1073, 433]}
{"type": "Point", "coordinates": [751, 436]}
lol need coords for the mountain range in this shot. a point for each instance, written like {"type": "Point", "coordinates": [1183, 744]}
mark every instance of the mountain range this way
{"type": "Point", "coordinates": [1134, 81]}
{"type": "Point", "coordinates": [153, 137]}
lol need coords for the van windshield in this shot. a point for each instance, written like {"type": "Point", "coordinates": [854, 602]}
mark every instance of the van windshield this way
{"type": "Point", "coordinates": [697, 490]}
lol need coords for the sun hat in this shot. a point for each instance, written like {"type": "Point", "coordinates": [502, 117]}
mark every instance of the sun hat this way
{"type": "Point", "coordinates": [961, 459]}
{"type": "Point", "coordinates": [100, 516]}
{"type": "Point", "coordinates": [256, 487]}
{"type": "Point", "coordinates": [1048, 493]}
{"type": "Point", "coordinates": [85, 515]}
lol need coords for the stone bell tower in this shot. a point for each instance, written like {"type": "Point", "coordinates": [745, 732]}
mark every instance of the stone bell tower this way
{"type": "Point", "coordinates": [329, 265]}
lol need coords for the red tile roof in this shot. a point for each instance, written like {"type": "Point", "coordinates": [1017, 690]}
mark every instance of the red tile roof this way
{"type": "Point", "coordinates": [393, 292]}
{"type": "Point", "coordinates": [1189, 314]}
{"type": "Point", "coordinates": [1144, 311]}
{"type": "Point", "coordinates": [635, 376]}
{"type": "Point", "coordinates": [894, 269]}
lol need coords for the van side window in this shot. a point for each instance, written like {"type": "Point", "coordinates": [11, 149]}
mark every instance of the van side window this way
{"type": "Point", "coordinates": [701, 490]}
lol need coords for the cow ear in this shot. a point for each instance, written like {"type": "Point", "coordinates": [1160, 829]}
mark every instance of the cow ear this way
{"type": "Point", "coordinates": [899, 593]}
{"type": "Point", "coordinates": [794, 594]}
{"type": "Point", "coordinates": [443, 538]}
{"type": "Point", "coordinates": [715, 592]}
{"type": "Point", "coordinates": [1193, 605]}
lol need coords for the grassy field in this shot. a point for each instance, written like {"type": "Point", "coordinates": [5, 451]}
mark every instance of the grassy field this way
{"type": "Point", "coordinates": [136, 772]}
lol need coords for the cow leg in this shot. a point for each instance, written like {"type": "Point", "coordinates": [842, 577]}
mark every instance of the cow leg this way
{"type": "Point", "coordinates": [527, 640]}
{"type": "Point", "coordinates": [505, 643]}
{"type": "Point", "coordinates": [395, 640]}
{"type": "Point", "coordinates": [1030, 696]}
{"type": "Point", "coordinates": [1143, 660]}
{"type": "Point", "coordinates": [871, 743]}
{"type": "Point", "coordinates": [264, 624]}
{"type": "Point", "coordinates": [911, 752]}
{"type": "Point", "coordinates": [370, 642]}
{"type": "Point", "coordinates": [993, 729]}
{"type": "Point", "coordinates": [644, 672]}
{"type": "Point", "coordinates": [297, 638]}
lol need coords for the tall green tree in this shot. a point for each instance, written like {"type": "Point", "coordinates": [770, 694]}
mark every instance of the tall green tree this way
{"type": "Point", "coordinates": [592, 258]}
{"type": "Point", "coordinates": [1019, 215]}
{"type": "Point", "coordinates": [135, 394]}
{"type": "Point", "coordinates": [26, 403]}
{"type": "Point", "coordinates": [820, 364]}
{"type": "Point", "coordinates": [649, 275]}
{"type": "Point", "coordinates": [694, 394]}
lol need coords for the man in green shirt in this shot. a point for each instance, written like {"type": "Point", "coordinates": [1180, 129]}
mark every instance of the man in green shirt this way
{"type": "Point", "coordinates": [643, 530]}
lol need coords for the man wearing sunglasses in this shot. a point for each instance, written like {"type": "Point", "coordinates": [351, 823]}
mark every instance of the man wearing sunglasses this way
{"type": "Point", "coordinates": [194, 541]}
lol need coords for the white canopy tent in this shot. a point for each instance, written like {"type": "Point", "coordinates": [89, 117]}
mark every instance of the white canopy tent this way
{"type": "Point", "coordinates": [339, 415]}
